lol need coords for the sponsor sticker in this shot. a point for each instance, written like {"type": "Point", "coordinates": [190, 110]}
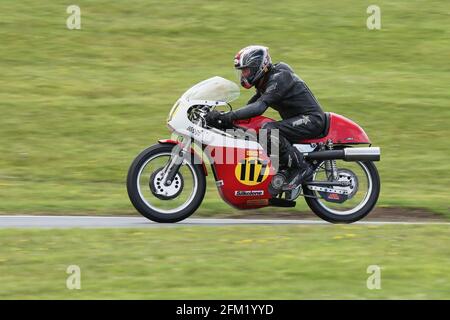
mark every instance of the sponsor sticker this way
{"type": "Point", "coordinates": [248, 193]}
{"type": "Point", "coordinates": [334, 196]}
{"type": "Point", "coordinates": [219, 183]}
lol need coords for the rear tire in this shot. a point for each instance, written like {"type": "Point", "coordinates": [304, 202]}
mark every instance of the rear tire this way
{"type": "Point", "coordinates": [324, 214]}
{"type": "Point", "coordinates": [139, 203]}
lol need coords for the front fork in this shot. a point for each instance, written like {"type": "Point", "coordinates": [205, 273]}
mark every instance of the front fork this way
{"type": "Point", "coordinates": [179, 152]}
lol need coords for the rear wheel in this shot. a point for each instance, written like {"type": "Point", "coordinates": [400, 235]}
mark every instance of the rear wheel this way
{"type": "Point", "coordinates": [156, 201]}
{"type": "Point", "coordinates": [361, 192]}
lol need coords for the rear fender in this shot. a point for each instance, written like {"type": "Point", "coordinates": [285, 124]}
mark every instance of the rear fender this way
{"type": "Point", "coordinates": [170, 141]}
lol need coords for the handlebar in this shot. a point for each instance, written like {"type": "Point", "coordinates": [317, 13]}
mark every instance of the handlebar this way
{"type": "Point", "coordinates": [197, 113]}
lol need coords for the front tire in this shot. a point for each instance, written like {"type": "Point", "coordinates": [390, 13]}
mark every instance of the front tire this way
{"type": "Point", "coordinates": [152, 211]}
{"type": "Point", "coordinates": [334, 216]}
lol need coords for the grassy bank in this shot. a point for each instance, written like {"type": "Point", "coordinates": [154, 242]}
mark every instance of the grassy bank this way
{"type": "Point", "coordinates": [245, 262]}
{"type": "Point", "coordinates": [77, 106]}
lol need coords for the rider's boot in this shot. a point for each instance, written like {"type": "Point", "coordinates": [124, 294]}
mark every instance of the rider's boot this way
{"type": "Point", "coordinates": [290, 177]}
{"type": "Point", "coordinates": [297, 176]}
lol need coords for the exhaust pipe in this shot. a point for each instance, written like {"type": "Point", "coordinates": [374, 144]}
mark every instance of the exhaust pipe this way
{"type": "Point", "coordinates": [362, 154]}
{"type": "Point", "coordinates": [347, 154]}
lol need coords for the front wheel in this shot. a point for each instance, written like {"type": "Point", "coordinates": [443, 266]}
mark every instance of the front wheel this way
{"type": "Point", "coordinates": [361, 192]}
{"type": "Point", "coordinates": [156, 201]}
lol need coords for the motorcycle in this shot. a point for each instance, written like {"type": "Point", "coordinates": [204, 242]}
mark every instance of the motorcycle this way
{"type": "Point", "coordinates": [167, 181]}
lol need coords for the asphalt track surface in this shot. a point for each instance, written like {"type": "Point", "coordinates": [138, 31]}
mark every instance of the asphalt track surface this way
{"type": "Point", "coordinates": [22, 221]}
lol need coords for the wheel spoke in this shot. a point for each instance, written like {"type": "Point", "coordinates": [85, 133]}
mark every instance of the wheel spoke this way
{"type": "Point", "coordinates": [162, 198]}
{"type": "Point", "coordinates": [359, 190]}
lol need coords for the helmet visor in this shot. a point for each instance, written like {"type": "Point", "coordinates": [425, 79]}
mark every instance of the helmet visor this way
{"type": "Point", "coordinates": [243, 76]}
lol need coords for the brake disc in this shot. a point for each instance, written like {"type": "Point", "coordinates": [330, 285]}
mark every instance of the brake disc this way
{"type": "Point", "coordinates": [162, 191]}
{"type": "Point", "coordinates": [339, 194]}
{"type": "Point", "coordinates": [349, 176]}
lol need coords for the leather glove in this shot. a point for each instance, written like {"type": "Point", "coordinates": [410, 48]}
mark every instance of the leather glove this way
{"type": "Point", "coordinates": [211, 118]}
{"type": "Point", "coordinates": [220, 120]}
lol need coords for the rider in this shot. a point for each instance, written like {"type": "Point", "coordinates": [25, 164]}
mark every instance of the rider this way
{"type": "Point", "coordinates": [277, 86]}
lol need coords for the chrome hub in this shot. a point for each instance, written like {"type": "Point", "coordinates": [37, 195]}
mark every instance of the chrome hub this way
{"type": "Point", "coordinates": [163, 191]}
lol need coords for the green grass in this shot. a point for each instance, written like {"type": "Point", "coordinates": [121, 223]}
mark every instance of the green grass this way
{"type": "Point", "coordinates": [77, 106]}
{"type": "Point", "coordinates": [245, 262]}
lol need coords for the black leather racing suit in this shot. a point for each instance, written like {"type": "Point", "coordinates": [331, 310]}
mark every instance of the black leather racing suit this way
{"type": "Point", "coordinates": [302, 115]}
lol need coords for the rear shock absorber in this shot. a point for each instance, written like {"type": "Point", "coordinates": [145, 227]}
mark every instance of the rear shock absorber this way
{"type": "Point", "coordinates": [330, 165]}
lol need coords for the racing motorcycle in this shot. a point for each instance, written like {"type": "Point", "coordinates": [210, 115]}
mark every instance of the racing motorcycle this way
{"type": "Point", "coordinates": [167, 181]}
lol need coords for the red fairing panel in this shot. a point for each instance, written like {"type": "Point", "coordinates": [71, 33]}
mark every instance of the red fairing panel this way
{"type": "Point", "coordinates": [242, 176]}
{"type": "Point", "coordinates": [342, 131]}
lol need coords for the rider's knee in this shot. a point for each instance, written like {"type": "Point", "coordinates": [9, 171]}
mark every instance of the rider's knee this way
{"type": "Point", "coordinates": [269, 126]}
{"type": "Point", "coordinates": [271, 129]}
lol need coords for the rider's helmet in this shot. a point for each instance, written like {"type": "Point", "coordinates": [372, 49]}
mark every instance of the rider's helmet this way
{"type": "Point", "coordinates": [252, 63]}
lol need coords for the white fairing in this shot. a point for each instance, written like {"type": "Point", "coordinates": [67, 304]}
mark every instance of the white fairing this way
{"type": "Point", "coordinates": [215, 91]}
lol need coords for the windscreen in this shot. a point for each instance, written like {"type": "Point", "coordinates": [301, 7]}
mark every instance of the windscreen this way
{"type": "Point", "coordinates": [215, 89]}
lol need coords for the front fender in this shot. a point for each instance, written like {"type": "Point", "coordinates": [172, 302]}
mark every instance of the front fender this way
{"type": "Point", "coordinates": [171, 141]}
